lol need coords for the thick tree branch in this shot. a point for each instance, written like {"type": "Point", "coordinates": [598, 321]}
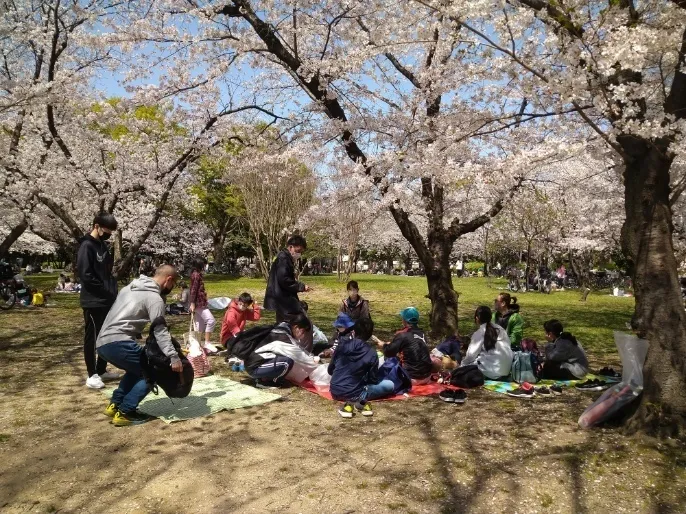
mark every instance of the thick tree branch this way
{"type": "Point", "coordinates": [12, 237]}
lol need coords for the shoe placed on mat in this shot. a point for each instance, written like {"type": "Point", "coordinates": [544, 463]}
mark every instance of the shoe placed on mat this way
{"type": "Point", "coordinates": [556, 389]}
{"type": "Point", "coordinates": [108, 375]}
{"type": "Point", "coordinates": [346, 411]}
{"type": "Point", "coordinates": [111, 410]}
{"type": "Point", "coordinates": [593, 385]}
{"type": "Point", "coordinates": [521, 392]}
{"type": "Point", "coordinates": [129, 419]}
{"type": "Point", "coordinates": [543, 391]}
{"type": "Point", "coordinates": [364, 408]}
{"type": "Point", "coordinates": [609, 372]}
{"type": "Point", "coordinates": [95, 382]}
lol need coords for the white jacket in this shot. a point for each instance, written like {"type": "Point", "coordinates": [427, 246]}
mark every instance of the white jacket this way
{"type": "Point", "coordinates": [304, 362]}
{"type": "Point", "coordinates": [494, 363]}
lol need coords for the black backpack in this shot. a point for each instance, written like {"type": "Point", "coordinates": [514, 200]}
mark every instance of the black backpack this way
{"type": "Point", "coordinates": [157, 366]}
{"type": "Point", "coordinates": [243, 344]}
{"type": "Point", "coordinates": [467, 376]}
{"type": "Point", "coordinates": [6, 271]}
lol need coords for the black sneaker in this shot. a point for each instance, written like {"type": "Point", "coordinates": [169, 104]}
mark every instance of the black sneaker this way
{"type": "Point", "coordinates": [592, 385]}
{"type": "Point", "coordinates": [364, 408]}
{"type": "Point", "coordinates": [556, 389]}
{"type": "Point", "coordinates": [347, 410]}
{"type": "Point", "coordinates": [522, 393]}
{"type": "Point", "coordinates": [460, 396]}
{"type": "Point", "coordinates": [609, 372]}
{"type": "Point", "coordinates": [447, 395]}
{"type": "Point", "coordinates": [265, 384]}
{"type": "Point", "coordinates": [543, 391]}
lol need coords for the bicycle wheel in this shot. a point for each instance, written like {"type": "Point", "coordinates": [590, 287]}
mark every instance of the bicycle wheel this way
{"type": "Point", "coordinates": [8, 297]}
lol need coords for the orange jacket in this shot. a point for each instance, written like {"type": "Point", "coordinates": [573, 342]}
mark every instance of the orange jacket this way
{"type": "Point", "coordinates": [234, 320]}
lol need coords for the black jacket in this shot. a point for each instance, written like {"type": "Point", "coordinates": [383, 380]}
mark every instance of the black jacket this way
{"type": "Point", "coordinates": [354, 365]}
{"type": "Point", "coordinates": [282, 288]}
{"type": "Point", "coordinates": [94, 265]}
{"type": "Point", "coordinates": [410, 346]}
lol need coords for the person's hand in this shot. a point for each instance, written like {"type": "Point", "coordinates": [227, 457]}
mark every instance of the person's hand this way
{"type": "Point", "coordinates": [308, 289]}
{"type": "Point", "coordinates": [192, 308]}
{"type": "Point", "coordinates": [177, 366]}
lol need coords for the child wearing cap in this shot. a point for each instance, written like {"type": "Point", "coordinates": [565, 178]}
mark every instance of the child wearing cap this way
{"type": "Point", "coordinates": [354, 369]}
{"type": "Point", "coordinates": [409, 345]}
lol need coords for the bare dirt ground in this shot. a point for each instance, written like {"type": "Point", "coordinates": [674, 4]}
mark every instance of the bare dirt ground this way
{"type": "Point", "coordinates": [58, 453]}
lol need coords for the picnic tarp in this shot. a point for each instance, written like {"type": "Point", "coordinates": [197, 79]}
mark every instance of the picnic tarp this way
{"type": "Point", "coordinates": [209, 395]}
{"type": "Point", "coordinates": [504, 387]}
{"type": "Point", "coordinates": [418, 390]}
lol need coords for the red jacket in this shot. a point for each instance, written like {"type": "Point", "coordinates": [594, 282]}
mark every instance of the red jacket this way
{"type": "Point", "coordinates": [234, 320]}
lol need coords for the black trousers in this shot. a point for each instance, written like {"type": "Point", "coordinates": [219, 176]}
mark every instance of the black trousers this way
{"type": "Point", "coordinates": [93, 320]}
{"type": "Point", "coordinates": [553, 371]}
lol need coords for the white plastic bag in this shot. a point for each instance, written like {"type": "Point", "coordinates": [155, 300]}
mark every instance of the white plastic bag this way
{"type": "Point", "coordinates": [632, 351]}
{"type": "Point", "coordinates": [218, 304]}
{"type": "Point", "coordinates": [320, 378]}
{"type": "Point", "coordinates": [190, 340]}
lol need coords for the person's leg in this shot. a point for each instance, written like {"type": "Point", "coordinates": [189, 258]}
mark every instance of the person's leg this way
{"type": "Point", "coordinates": [376, 391]}
{"type": "Point", "coordinates": [273, 369]}
{"type": "Point", "coordinates": [209, 321]}
{"type": "Point", "coordinates": [421, 381]}
{"type": "Point", "coordinates": [553, 371]}
{"type": "Point", "coordinates": [89, 337]}
{"type": "Point", "coordinates": [133, 387]}
{"type": "Point", "coordinates": [98, 316]}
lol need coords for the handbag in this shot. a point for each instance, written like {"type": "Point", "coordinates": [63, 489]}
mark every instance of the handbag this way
{"type": "Point", "coordinates": [196, 354]}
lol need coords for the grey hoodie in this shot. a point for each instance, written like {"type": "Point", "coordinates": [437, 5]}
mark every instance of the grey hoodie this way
{"type": "Point", "coordinates": [138, 304]}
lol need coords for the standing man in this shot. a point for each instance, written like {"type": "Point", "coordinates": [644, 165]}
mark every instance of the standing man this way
{"type": "Point", "coordinates": [98, 292]}
{"type": "Point", "coordinates": [282, 288]}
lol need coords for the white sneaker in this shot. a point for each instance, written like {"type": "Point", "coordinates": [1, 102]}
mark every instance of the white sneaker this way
{"type": "Point", "coordinates": [108, 375]}
{"type": "Point", "coordinates": [95, 382]}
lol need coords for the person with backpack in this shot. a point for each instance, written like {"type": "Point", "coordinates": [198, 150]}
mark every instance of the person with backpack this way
{"type": "Point", "coordinates": [565, 359]}
{"type": "Point", "coordinates": [239, 311]}
{"type": "Point", "coordinates": [489, 348]}
{"type": "Point", "coordinates": [274, 353]}
{"type": "Point", "coordinates": [98, 293]}
{"type": "Point", "coordinates": [409, 344]}
{"type": "Point", "coordinates": [354, 372]}
{"type": "Point", "coordinates": [507, 316]}
{"type": "Point", "coordinates": [204, 320]}
{"type": "Point", "coordinates": [138, 304]}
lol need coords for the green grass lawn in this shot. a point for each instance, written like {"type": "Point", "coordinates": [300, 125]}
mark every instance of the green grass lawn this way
{"type": "Point", "coordinates": [592, 321]}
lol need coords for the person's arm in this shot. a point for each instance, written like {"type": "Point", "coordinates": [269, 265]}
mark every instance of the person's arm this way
{"type": "Point", "coordinates": [394, 347]}
{"type": "Point", "coordinates": [225, 333]}
{"type": "Point", "coordinates": [556, 352]}
{"type": "Point", "coordinates": [332, 365]}
{"type": "Point", "coordinates": [364, 312]}
{"type": "Point", "coordinates": [516, 331]}
{"type": "Point", "coordinates": [286, 279]}
{"type": "Point", "coordinates": [474, 349]}
{"type": "Point", "coordinates": [253, 314]}
{"type": "Point", "coordinates": [194, 290]}
{"type": "Point", "coordinates": [162, 335]}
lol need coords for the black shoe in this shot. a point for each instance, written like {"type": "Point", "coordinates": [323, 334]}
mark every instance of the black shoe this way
{"type": "Point", "coordinates": [556, 389]}
{"type": "Point", "coordinates": [543, 391]}
{"type": "Point", "coordinates": [609, 372]}
{"type": "Point", "coordinates": [364, 408]}
{"type": "Point", "coordinates": [447, 395]}
{"type": "Point", "coordinates": [522, 393]}
{"type": "Point", "coordinates": [592, 385]}
{"type": "Point", "coordinates": [460, 396]}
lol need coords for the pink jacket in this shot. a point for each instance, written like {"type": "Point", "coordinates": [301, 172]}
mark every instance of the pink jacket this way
{"type": "Point", "coordinates": [234, 320]}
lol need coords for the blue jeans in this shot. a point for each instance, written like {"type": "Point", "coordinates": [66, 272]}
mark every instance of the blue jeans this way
{"type": "Point", "coordinates": [376, 391]}
{"type": "Point", "coordinates": [133, 387]}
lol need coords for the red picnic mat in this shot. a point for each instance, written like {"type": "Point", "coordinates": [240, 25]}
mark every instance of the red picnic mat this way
{"type": "Point", "coordinates": [417, 390]}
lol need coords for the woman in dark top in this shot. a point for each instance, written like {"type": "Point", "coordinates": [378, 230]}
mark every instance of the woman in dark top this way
{"type": "Point", "coordinates": [564, 357]}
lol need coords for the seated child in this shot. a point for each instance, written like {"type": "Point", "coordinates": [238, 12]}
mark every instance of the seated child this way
{"type": "Point", "coordinates": [353, 371]}
{"type": "Point", "coordinates": [60, 282]}
{"type": "Point", "coordinates": [564, 357]}
{"type": "Point", "coordinates": [37, 298]}
{"type": "Point", "coordinates": [68, 284]}
{"type": "Point", "coordinates": [240, 310]}
{"type": "Point", "coordinates": [489, 348]}
{"type": "Point", "coordinates": [354, 305]}
{"type": "Point", "coordinates": [409, 344]}
{"type": "Point", "coordinates": [447, 356]}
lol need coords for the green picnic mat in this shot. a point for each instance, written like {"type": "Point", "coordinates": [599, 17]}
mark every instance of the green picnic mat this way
{"type": "Point", "coordinates": [503, 387]}
{"type": "Point", "coordinates": [209, 395]}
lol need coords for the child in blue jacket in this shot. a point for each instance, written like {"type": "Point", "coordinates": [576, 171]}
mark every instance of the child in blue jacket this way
{"type": "Point", "coordinates": [353, 371]}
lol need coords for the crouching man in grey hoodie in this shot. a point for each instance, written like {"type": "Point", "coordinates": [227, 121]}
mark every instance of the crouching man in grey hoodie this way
{"type": "Point", "coordinates": [138, 304]}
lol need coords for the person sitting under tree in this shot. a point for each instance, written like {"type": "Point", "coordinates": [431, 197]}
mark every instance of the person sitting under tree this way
{"type": "Point", "coordinates": [507, 316]}
{"type": "Point", "coordinates": [354, 305]}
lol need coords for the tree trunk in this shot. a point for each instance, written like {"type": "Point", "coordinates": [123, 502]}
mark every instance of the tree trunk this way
{"type": "Point", "coordinates": [528, 265]}
{"type": "Point", "coordinates": [389, 264]}
{"type": "Point", "coordinates": [659, 312]}
{"type": "Point", "coordinates": [218, 249]}
{"type": "Point", "coordinates": [12, 237]}
{"type": "Point", "coordinates": [486, 266]}
{"type": "Point", "coordinates": [443, 297]}
{"type": "Point", "coordinates": [117, 245]}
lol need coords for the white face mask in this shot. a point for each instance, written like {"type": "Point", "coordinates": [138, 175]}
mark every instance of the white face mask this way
{"type": "Point", "coordinates": [296, 256]}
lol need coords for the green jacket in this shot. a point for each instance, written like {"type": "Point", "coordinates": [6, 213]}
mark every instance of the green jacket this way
{"type": "Point", "coordinates": [513, 323]}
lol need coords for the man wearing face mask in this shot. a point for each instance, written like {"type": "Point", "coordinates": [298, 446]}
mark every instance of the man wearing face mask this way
{"type": "Point", "coordinates": [138, 304]}
{"type": "Point", "coordinates": [282, 288]}
{"type": "Point", "coordinates": [98, 292]}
